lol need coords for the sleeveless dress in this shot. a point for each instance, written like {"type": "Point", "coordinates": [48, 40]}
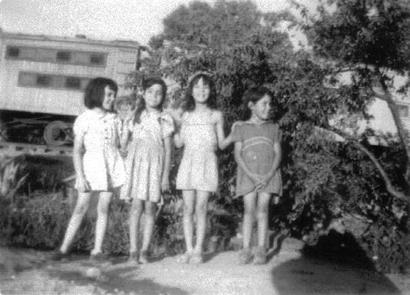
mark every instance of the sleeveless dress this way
{"type": "Point", "coordinates": [145, 159]}
{"type": "Point", "coordinates": [199, 166]}
{"type": "Point", "coordinates": [258, 154]}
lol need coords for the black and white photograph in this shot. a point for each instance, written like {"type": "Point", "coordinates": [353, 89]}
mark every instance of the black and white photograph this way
{"type": "Point", "coordinates": [157, 147]}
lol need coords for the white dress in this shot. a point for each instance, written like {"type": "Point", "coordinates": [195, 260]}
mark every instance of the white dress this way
{"type": "Point", "coordinates": [145, 159]}
{"type": "Point", "coordinates": [102, 162]}
{"type": "Point", "coordinates": [199, 166]}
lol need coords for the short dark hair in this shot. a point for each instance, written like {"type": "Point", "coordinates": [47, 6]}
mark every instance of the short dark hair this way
{"type": "Point", "coordinates": [147, 83]}
{"type": "Point", "coordinates": [189, 103]}
{"type": "Point", "coordinates": [253, 95]}
{"type": "Point", "coordinates": [94, 92]}
{"type": "Point", "coordinates": [125, 99]}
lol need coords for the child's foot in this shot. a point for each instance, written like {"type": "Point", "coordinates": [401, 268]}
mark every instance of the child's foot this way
{"type": "Point", "coordinates": [144, 257]}
{"type": "Point", "coordinates": [133, 258]}
{"type": "Point", "coordinates": [260, 256]}
{"type": "Point", "coordinates": [245, 256]}
{"type": "Point", "coordinates": [59, 256]}
{"type": "Point", "coordinates": [196, 258]}
{"type": "Point", "coordinates": [185, 258]}
{"type": "Point", "coordinates": [99, 257]}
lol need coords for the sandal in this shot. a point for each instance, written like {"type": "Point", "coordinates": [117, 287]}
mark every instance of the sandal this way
{"type": "Point", "coordinates": [59, 256]}
{"type": "Point", "coordinates": [260, 256]}
{"type": "Point", "coordinates": [144, 257]}
{"type": "Point", "coordinates": [196, 258]}
{"type": "Point", "coordinates": [185, 258]}
{"type": "Point", "coordinates": [99, 258]}
{"type": "Point", "coordinates": [133, 258]}
{"type": "Point", "coordinates": [245, 256]}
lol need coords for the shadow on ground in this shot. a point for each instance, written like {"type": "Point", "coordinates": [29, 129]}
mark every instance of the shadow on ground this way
{"type": "Point", "coordinates": [119, 281]}
{"type": "Point", "coordinates": [336, 265]}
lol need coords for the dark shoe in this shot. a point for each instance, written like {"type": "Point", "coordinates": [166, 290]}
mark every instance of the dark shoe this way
{"type": "Point", "coordinates": [260, 256]}
{"type": "Point", "coordinates": [245, 256]}
{"type": "Point", "coordinates": [99, 258]}
{"type": "Point", "coordinates": [144, 257]}
{"type": "Point", "coordinates": [133, 258]}
{"type": "Point", "coordinates": [59, 256]}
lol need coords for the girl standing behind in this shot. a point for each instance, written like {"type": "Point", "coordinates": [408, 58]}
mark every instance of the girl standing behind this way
{"type": "Point", "coordinates": [124, 106]}
{"type": "Point", "coordinates": [201, 133]}
{"type": "Point", "coordinates": [148, 164]}
{"type": "Point", "coordinates": [258, 154]}
{"type": "Point", "coordinates": [97, 162]}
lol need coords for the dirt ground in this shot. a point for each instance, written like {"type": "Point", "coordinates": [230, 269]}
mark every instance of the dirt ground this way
{"type": "Point", "coordinates": [288, 272]}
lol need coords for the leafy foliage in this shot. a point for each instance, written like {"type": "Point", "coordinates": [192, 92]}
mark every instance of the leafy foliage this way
{"type": "Point", "coordinates": [325, 181]}
{"type": "Point", "coordinates": [328, 184]}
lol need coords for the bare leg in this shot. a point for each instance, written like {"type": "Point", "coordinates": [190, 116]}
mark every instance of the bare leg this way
{"type": "Point", "coordinates": [80, 209]}
{"type": "Point", "coordinates": [262, 218]}
{"type": "Point", "coordinates": [134, 223]}
{"type": "Point", "coordinates": [248, 218]}
{"type": "Point", "coordinates": [201, 213]}
{"type": "Point", "coordinates": [189, 201]}
{"type": "Point", "coordinates": [104, 200]}
{"type": "Point", "coordinates": [149, 220]}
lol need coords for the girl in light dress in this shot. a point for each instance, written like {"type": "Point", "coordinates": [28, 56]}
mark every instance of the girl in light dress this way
{"type": "Point", "coordinates": [258, 154]}
{"type": "Point", "coordinates": [147, 164]}
{"type": "Point", "coordinates": [201, 133]}
{"type": "Point", "coordinates": [97, 162]}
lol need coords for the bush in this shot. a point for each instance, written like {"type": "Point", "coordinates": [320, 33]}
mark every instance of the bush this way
{"type": "Point", "coordinates": [40, 222]}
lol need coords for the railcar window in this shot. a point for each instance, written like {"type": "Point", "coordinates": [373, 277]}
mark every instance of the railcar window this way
{"type": "Point", "coordinates": [63, 56]}
{"type": "Point", "coordinates": [97, 59]}
{"type": "Point", "coordinates": [43, 80]}
{"type": "Point", "coordinates": [73, 83]}
{"type": "Point", "coordinates": [26, 79]}
{"type": "Point", "coordinates": [13, 51]}
{"type": "Point", "coordinates": [50, 81]}
{"type": "Point", "coordinates": [53, 55]}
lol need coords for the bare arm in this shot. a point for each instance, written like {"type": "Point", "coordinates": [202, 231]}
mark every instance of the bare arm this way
{"type": "Point", "coordinates": [124, 138]}
{"type": "Point", "coordinates": [278, 157]}
{"type": "Point", "coordinates": [78, 152]}
{"type": "Point", "coordinates": [178, 138]}
{"type": "Point", "coordinates": [178, 141]}
{"type": "Point", "coordinates": [223, 142]}
{"type": "Point", "coordinates": [167, 164]}
{"type": "Point", "coordinates": [241, 163]}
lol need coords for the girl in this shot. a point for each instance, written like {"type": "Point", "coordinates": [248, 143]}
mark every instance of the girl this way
{"type": "Point", "coordinates": [125, 108]}
{"type": "Point", "coordinates": [201, 132]}
{"type": "Point", "coordinates": [148, 164]}
{"type": "Point", "coordinates": [97, 161]}
{"type": "Point", "coordinates": [258, 154]}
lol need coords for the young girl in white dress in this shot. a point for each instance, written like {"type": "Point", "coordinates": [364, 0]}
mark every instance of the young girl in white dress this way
{"type": "Point", "coordinates": [147, 164]}
{"type": "Point", "coordinates": [97, 162]}
{"type": "Point", "coordinates": [201, 133]}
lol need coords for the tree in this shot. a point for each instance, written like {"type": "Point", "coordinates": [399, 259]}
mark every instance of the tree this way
{"type": "Point", "coordinates": [370, 40]}
{"type": "Point", "coordinates": [324, 180]}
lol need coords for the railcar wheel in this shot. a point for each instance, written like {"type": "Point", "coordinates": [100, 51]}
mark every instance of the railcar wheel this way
{"type": "Point", "coordinates": [56, 133]}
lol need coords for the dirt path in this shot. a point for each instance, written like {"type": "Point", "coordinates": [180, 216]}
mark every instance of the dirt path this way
{"type": "Point", "coordinates": [286, 273]}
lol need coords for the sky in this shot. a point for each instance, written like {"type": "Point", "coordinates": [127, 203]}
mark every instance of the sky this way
{"type": "Point", "coordinates": [135, 20]}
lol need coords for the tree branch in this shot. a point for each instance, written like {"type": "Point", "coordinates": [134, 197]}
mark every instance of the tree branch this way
{"type": "Point", "coordinates": [389, 187]}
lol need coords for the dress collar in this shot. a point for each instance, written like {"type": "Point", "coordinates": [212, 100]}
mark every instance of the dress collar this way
{"type": "Point", "coordinates": [258, 124]}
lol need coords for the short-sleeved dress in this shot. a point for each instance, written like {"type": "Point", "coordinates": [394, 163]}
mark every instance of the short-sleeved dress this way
{"type": "Point", "coordinates": [199, 166]}
{"type": "Point", "coordinates": [102, 164]}
{"type": "Point", "coordinates": [258, 154]}
{"type": "Point", "coordinates": [145, 159]}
